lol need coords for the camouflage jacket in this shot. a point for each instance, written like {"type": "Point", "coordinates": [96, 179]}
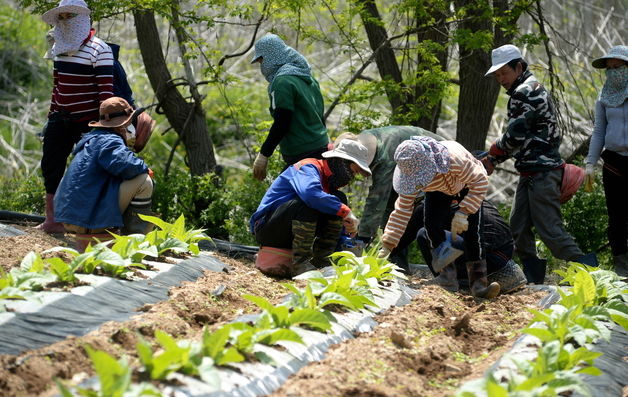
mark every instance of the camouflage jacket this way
{"type": "Point", "coordinates": [375, 212]}
{"type": "Point", "coordinates": [532, 136]}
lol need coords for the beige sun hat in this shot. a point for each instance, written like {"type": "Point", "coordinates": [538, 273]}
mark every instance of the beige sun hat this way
{"type": "Point", "coordinates": [351, 150]}
{"type": "Point", "coordinates": [51, 17]}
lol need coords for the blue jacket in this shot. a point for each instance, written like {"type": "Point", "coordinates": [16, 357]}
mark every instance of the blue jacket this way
{"type": "Point", "coordinates": [88, 193]}
{"type": "Point", "coordinates": [306, 180]}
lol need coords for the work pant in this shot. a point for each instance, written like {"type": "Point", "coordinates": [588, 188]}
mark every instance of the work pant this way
{"type": "Point", "coordinates": [59, 138]}
{"type": "Point", "coordinates": [138, 189]}
{"type": "Point", "coordinates": [614, 176]}
{"type": "Point", "coordinates": [437, 219]}
{"type": "Point", "coordinates": [276, 230]}
{"type": "Point", "coordinates": [537, 205]}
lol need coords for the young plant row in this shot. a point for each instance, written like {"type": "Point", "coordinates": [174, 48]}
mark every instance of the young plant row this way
{"type": "Point", "coordinates": [115, 258]}
{"type": "Point", "coordinates": [567, 331]}
{"type": "Point", "coordinates": [351, 285]}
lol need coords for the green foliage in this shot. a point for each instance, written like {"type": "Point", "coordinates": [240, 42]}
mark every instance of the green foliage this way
{"type": "Point", "coordinates": [174, 236]}
{"type": "Point", "coordinates": [22, 193]}
{"type": "Point", "coordinates": [284, 317]}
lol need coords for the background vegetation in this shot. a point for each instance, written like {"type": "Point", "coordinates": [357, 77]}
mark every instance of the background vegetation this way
{"type": "Point", "coordinates": [404, 61]}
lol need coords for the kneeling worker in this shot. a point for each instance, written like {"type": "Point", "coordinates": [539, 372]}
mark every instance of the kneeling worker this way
{"type": "Point", "coordinates": [106, 184]}
{"type": "Point", "coordinates": [300, 218]}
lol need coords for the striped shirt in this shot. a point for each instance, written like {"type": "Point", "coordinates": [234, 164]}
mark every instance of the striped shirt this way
{"type": "Point", "coordinates": [82, 80]}
{"type": "Point", "coordinates": [464, 171]}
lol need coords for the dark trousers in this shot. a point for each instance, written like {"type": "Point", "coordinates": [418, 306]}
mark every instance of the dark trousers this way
{"type": "Point", "coordinates": [59, 139]}
{"type": "Point", "coordinates": [437, 219]}
{"type": "Point", "coordinates": [276, 230]}
{"type": "Point", "coordinates": [314, 154]}
{"type": "Point", "coordinates": [614, 176]}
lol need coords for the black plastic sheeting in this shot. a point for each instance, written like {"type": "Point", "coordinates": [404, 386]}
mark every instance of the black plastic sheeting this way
{"type": "Point", "coordinates": [114, 300]}
{"type": "Point", "coordinates": [9, 231]}
{"type": "Point", "coordinates": [231, 250]}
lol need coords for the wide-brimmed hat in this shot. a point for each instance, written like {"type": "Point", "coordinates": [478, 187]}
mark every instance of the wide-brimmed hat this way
{"type": "Point", "coordinates": [71, 6]}
{"type": "Point", "coordinates": [351, 150]}
{"type": "Point", "coordinates": [418, 160]}
{"type": "Point", "coordinates": [617, 52]}
{"type": "Point", "coordinates": [502, 55]}
{"type": "Point", "coordinates": [114, 112]}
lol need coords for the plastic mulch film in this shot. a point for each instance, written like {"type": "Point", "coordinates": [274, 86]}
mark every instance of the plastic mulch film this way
{"type": "Point", "coordinates": [9, 231]}
{"type": "Point", "coordinates": [79, 313]}
{"type": "Point", "coordinates": [612, 363]}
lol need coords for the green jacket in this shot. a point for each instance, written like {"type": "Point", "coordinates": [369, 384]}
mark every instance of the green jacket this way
{"type": "Point", "coordinates": [302, 96]}
{"type": "Point", "coordinates": [376, 210]}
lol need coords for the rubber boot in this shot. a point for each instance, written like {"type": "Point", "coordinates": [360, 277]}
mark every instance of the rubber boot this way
{"type": "Point", "coordinates": [447, 279]}
{"type": "Point", "coordinates": [620, 263]}
{"type": "Point", "coordinates": [326, 243]}
{"type": "Point", "coordinates": [400, 258]}
{"type": "Point", "coordinates": [510, 277]}
{"type": "Point", "coordinates": [589, 259]}
{"type": "Point", "coordinates": [534, 269]}
{"type": "Point", "coordinates": [303, 238]}
{"type": "Point", "coordinates": [133, 224]}
{"type": "Point", "coordinates": [49, 225]}
{"type": "Point", "coordinates": [478, 281]}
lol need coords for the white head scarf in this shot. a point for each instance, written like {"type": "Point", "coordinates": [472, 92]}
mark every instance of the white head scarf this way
{"type": "Point", "coordinates": [70, 34]}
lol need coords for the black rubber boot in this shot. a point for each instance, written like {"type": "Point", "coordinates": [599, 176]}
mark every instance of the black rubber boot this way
{"type": "Point", "coordinates": [133, 224]}
{"type": "Point", "coordinates": [478, 281]}
{"type": "Point", "coordinates": [447, 279]}
{"type": "Point", "coordinates": [326, 243]}
{"type": "Point", "coordinates": [534, 269]}
{"type": "Point", "coordinates": [303, 239]}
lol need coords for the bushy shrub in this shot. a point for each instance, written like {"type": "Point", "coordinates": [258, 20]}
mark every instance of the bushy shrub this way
{"type": "Point", "coordinates": [22, 193]}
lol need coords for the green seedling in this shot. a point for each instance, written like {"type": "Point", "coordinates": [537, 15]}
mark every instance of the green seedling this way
{"type": "Point", "coordinates": [114, 377]}
{"type": "Point", "coordinates": [284, 317]}
{"type": "Point", "coordinates": [173, 236]}
{"type": "Point", "coordinates": [134, 247]}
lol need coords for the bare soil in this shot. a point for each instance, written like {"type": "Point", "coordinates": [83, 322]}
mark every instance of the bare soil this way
{"type": "Point", "coordinates": [427, 347]}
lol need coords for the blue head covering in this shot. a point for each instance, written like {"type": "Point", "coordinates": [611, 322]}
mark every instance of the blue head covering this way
{"type": "Point", "coordinates": [279, 59]}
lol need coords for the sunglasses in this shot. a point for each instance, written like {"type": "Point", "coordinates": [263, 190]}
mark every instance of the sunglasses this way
{"type": "Point", "coordinates": [64, 16]}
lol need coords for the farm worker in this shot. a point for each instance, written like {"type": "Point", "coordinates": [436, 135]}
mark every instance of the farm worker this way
{"type": "Point", "coordinates": [381, 144]}
{"type": "Point", "coordinates": [296, 105]}
{"type": "Point", "coordinates": [107, 185]}
{"type": "Point", "coordinates": [446, 172]}
{"type": "Point", "coordinates": [497, 250]}
{"type": "Point", "coordinates": [610, 141]}
{"type": "Point", "coordinates": [300, 218]}
{"type": "Point", "coordinates": [532, 138]}
{"type": "Point", "coordinates": [82, 80]}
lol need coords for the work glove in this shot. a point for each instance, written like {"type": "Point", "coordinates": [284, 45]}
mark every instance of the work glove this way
{"type": "Point", "coordinates": [350, 222]}
{"type": "Point", "coordinates": [383, 252]}
{"type": "Point", "coordinates": [259, 167]}
{"type": "Point", "coordinates": [459, 224]}
{"type": "Point", "coordinates": [589, 177]}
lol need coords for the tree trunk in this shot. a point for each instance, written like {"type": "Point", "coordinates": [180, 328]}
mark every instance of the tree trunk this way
{"type": "Point", "coordinates": [478, 94]}
{"type": "Point", "coordinates": [437, 33]}
{"type": "Point", "coordinates": [384, 54]}
{"type": "Point", "coordinates": [187, 119]}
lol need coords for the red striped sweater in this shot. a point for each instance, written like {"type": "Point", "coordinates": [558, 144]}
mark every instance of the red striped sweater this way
{"type": "Point", "coordinates": [464, 171]}
{"type": "Point", "coordinates": [82, 80]}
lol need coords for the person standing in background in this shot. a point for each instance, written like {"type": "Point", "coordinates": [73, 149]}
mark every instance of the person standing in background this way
{"type": "Point", "coordinates": [610, 141]}
{"type": "Point", "coordinates": [296, 104]}
{"type": "Point", "coordinates": [82, 79]}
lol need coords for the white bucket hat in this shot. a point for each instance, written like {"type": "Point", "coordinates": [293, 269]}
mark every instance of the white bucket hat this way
{"type": "Point", "coordinates": [502, 55]}
{"type": "Point", "coordinates": [351, 150]}
{"type": "Point", "coordinates": [71, 6]}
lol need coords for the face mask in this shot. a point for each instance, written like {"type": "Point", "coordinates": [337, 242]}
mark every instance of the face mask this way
{"type": "Point", "coordinates": [341, 173]}
{"type": "Point", "coordinates": [268, 70]}
{"type": "Point", "coordinates": [617, 78]}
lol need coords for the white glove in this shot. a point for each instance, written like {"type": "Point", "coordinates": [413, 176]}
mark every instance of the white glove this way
{"type": "Point", "coordinates": [383, 252]}
{"type": "Point", "coordinates": [459, 224]}
{"type": "Point", "coordinates": [589, 177]}
{"type": "Point", "coordinates": [351, 223]}
{"type": "Point", "coordinates": [259, 167]}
